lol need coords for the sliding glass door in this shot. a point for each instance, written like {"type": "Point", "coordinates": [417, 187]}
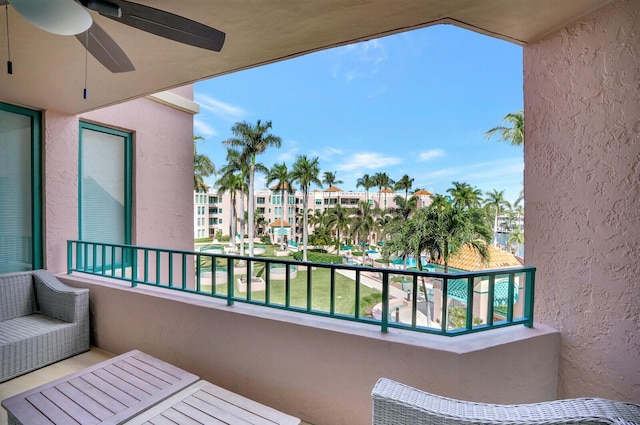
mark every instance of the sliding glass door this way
{"type": "Point", "coordinates": [20, 189]}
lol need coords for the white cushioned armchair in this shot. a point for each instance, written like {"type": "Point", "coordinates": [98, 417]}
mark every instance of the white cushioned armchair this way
{"type": "Point", "coordinates": [399, 404]}
{"type": "Point", "coordinates": [42, 321]}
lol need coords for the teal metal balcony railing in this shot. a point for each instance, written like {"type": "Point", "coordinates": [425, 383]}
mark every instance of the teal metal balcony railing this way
{"type": "Point", "coordinates": [433, 302]}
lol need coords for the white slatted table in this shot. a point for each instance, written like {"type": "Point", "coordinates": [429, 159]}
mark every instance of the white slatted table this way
{"type": "Point", "coordinates": [205, 403]}
{"type": "Point", "coordinates": [107, 393]}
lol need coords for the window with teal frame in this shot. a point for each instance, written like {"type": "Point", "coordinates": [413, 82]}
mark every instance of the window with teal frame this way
{"type": "Point", "coordinates": [20, 189]}
{"type": "Point", "coordinates": [105, 168]}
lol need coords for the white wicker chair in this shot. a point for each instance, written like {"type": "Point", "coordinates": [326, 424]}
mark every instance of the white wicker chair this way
{"type": "Point", "coordinates": [399, 404]}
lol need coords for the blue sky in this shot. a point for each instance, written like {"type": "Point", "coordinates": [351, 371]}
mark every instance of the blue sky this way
{"type": "Point", "coordinates": [416, 103]}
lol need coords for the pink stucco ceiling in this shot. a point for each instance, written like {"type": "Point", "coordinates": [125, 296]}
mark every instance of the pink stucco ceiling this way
{"type": "Point", "coordinates": [48, 70]}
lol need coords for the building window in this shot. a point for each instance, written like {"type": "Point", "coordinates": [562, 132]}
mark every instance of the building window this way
{"type": "Point", "coordinates": [318, 201]}
{"type": "Point", "coordinates": [260, 199]}
{"type": "Point", "coordinates": [104, 188]}
{"type": "Point", "coordinates": [20, 193]}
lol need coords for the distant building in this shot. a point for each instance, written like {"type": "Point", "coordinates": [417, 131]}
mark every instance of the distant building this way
{"type": "Point", "coordinates": [212, 210]}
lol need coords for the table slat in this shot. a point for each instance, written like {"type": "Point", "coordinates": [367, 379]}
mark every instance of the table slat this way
{"type": "Point", "coordinates": [107, 393]}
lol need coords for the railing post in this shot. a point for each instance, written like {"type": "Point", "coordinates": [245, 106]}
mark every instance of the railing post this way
{"type": "Point", "coordinates": [184, 271]}
{"type": "Point", "coordinates": [198, 282]}
{"type": "Point", "coordinates": [357, 306]}
{"type": "Point", "coordinates": [134, 267]}
{"type": "Point", "coordinates": [470, 283]}
{"type": "Point", "coordinates": [510, 297]}
{"type": "Point", "coordinates": [385, 302]}
{"type": "Point", "coordinates": [287, 284]}
{"type": "Point", "coordinates": [69, 256]}
{"type": "Point", "coordinates": [529, 294]}
{"type": "Point", "coordinates": [332, 291]}
{"type": "Point", "coordinates": [491, 299]}
{"type": "Point", "coordinates": [230, 282]}
{"type": "Point", "coordinates": [445, 295]}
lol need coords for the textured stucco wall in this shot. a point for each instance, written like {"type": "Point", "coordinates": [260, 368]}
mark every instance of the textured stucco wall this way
{"type": "Point", "coordinates": [318, 369]}
{"type": "Point", "coordinates": [582, 188]}
{"type": "Point", "coordinates": [163, 175]}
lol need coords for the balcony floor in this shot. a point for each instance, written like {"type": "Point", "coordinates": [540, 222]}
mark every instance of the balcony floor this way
{"type": "Point", "coordinates": [51, 372]}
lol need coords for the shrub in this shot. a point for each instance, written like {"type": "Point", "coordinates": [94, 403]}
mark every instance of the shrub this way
{"type": "Point", "coordinates": [458, 318]}
{"type": "Point", "coordinates": [318, 257]}
{"type": "Point", "coordinates": [367, 303]}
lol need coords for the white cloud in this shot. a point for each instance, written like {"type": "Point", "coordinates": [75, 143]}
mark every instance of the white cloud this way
{"type": "Point", "coordinates": [430, 154]}
{"type": "Point", "coordinates": [369, 161]}
{"type": "Point", "coordinates": [201, 128]}
{"type": "Point", "coordinates": [479, 170]}
{"type": "Point", "coordinates": [327, 153]}
{"type": "Point", "coordinates": [220, 109]}
{"type": "Point", "coordinates": [361, 59]}
{"type": "Point", "coordinates": [288, 151]}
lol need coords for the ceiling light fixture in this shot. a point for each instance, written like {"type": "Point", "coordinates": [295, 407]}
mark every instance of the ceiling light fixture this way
{"type": "Point", "coordinates": [62, 17]}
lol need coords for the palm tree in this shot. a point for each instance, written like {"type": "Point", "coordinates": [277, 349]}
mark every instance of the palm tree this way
{"type": "Point", "coordinates": [447, 231]}
{"type": "Point", "coordinates": [520, 198]}
{"type": "Point", "coordinates": [404, 207]}
{"type": "Point", "coordinates": [513, 134]}
{"type": "Point", "coordinates": [464, 195]}
{"type": "Point", "coordinates": [261, 223]}
{"type": "Point", "coordinates": [230, 182]}
{"type": "Point", "coordinates": [330, 179]}
{"type": "Point", "coordinates": [305, 172]}
{"type": "Point", "coordinates": [516, 237]}
{"type": "Point", "coordinates": [440, 201]}
{"type": "Point", "coordinates": [405, 183]}
{"type": "Point", "coordinates": [495, 204]}
{"type": "Point", "coordinates": [235, 164]}
{"type": "Point", "coordinates": [280, 174]}
{"type": "Point", "coordinates": [362, 223]}
{"type": "Point", "coordinates": [382, 180]}
{"type": "Point", "coordinates": [338, 219]}
{"type": "Point", "coordinates": [202, 167]}
{"type": "Point", "coordinates": [252, 140]}
{"type": "Point", "coordinates": [367, 183]}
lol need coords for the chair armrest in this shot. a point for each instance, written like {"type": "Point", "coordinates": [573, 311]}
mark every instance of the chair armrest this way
{"type": "Point", "coordinates": [55, 299]}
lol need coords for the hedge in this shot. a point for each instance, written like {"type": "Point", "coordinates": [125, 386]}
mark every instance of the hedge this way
{"type": "Point", "coordinates": [318, 257]}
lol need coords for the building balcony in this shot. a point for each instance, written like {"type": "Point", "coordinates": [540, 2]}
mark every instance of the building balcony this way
{"type": "Point", "coordinates": [311, 366]}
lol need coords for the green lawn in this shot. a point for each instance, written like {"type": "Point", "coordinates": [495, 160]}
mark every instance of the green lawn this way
{"type": "Point", "coordinates": [345, 296]}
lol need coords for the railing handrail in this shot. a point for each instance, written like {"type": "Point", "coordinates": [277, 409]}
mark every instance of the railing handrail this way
{"type": "Point", "coordinates": [129, 260]}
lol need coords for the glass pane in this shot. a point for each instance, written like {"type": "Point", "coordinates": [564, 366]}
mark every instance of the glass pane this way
{"type": "Point", "coordinates": [16, 232]}
{"type": "Point", "coordinates": [102, 194]}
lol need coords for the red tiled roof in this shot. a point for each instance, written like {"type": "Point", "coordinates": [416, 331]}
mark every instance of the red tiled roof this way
{"type": "Point", "coordinates": [279, 186]}
{"type": "Point", "coordinates": [386, 190]}
{"type": "Point", "coordinates": [277, 223]}
{"type": "Point", "coordinates": [333, 189]}
{"type": "Point", "coordinates": [468, 259]}
{"type": "Point", "coordinates": [422, 192]}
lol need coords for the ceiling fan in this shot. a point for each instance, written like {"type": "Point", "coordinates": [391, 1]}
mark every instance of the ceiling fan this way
{"type": "Point", "coordinates": [70, 17]}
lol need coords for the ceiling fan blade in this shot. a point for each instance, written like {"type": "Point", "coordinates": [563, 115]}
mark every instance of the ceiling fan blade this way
{"type": "Point", "coordinates": [169, 25]}
{"type": "Point", "coordinates": [106, 50]}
